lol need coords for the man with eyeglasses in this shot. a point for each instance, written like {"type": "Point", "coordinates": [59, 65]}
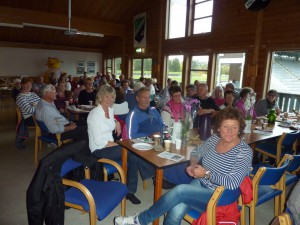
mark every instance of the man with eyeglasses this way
{"type": "Point", "coordinates": [263, 106]}
{"type": "Point", "coordinates": [47, 112]}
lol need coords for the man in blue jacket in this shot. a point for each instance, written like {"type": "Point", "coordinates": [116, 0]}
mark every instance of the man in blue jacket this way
{"type": "Point", "coordinates": [143, 120]}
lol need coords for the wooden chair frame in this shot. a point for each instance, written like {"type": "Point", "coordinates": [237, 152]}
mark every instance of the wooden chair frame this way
{"type": "Point", "coordinates": [212, 206]}
{"type": "Point", "coordinates": [88, 195]}
{"type": "Point", "coordinates": [279, 200]}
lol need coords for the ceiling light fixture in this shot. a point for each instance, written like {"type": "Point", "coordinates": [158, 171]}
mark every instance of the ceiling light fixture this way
{"type": "Point", "coordinates": [68, 30]}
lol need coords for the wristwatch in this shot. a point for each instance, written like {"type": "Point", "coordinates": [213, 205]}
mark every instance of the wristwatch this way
{"type": "Point", "coordinates": [207, 175]}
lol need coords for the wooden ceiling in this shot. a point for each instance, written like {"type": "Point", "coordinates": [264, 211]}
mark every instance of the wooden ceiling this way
{"type": "Point", "coordinates": [100, 16]}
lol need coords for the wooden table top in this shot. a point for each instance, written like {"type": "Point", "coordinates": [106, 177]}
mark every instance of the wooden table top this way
{"type": "Point", "coordinates": [158, 162]}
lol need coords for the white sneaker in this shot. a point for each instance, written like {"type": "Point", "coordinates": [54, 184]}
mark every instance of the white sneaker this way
{"type": "Point", "coordinates": [129, 220]}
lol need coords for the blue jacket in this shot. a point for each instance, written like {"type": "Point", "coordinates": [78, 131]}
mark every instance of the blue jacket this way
{"type": "Point", "coordinates": [140, 123]}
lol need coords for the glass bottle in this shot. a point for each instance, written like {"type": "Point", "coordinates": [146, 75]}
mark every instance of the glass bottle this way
{"type": "Point", "coordinates": [271, 116]}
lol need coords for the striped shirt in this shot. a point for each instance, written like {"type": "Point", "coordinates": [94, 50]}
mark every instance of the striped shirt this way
{"type": "Point", "coordinates": [227, 169]}
{"type": "Point", "coordinates": [26, 103]}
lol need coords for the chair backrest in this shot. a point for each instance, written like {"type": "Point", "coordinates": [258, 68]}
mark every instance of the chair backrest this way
{"type": "Point", "coordinates": [19, 115]}
{"type": "Point", "coordinates": [42, 126]}
{"type": "Point", "coordinates": [272, 175]}
{"type": "Point", "coordinates": [295, 164]}
{"type": "Point", "coordinates": [69, 165]}
{"type": "Point", "coordinates": [229, 196]}
{"type": "Point", "coordinates": [290, 138]}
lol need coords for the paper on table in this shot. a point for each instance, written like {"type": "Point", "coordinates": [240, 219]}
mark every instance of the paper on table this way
{"type": "Point", "coordinates": [262, 132]}
{"type": "Point", "coordinates": [171, 156]}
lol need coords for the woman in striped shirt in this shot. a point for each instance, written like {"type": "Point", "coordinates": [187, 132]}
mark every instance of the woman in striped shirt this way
{"type": "Point", "coordinates": [224, 159]}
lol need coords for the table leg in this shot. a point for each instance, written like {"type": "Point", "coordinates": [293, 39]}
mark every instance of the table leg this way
{"type": "Point", "coordinates": [124, 161]}
{"type": "Point", "coordinates": [158, 189]}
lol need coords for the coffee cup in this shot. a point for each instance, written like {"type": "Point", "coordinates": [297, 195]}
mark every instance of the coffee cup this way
{"type": "Point", "coordinates": [178, 144]}
{"type": "Point", "coordinates": [156, 138]}
{"type": "Point", "coordinates": [167, 145]}
{"type": "Point", "coordinates": [90, 102]}
{"type": "Point", "coordinates": [67, 103]}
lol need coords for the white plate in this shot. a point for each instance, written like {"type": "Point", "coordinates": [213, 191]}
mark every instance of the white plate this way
{"type": "Point", "coordinates": [142, 146]}
{"type": "Point", "coordinates": [88, 106]}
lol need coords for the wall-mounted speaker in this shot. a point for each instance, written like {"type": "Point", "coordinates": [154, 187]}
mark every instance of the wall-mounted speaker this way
{"type": "Point", "coordinates": [256, 4]}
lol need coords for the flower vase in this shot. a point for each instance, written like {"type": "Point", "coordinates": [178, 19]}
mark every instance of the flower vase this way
{"type": "Point", "coordinates": [185, 138]}
{"type": "Point", "coordinates": [204, 127]}
{"type": "Point", "coordinates": [248, 126]}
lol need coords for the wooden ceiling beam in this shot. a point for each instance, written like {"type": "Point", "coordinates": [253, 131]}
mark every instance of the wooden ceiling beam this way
{"type": "Point", "coordinates": [20, 16]}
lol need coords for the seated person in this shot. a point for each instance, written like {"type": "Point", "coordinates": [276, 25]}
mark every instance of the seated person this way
{"type": "Point", "coordinates": [54, 121]}
{"type": "Point", "coordinates": [62, 95]}
{"type": "Point", "coordinates": [231, 87]}
{"type": "Point", "coordinates": [143, 120]}
{"type": "Point", "coordinates": [218, 95]}
{"type": "Point", "coordinates": [120, 106]}
{"type": "Point", "coordinates": [87, 94]}
{"type": "Point", "coordinates": [191, 91]}
{"type": "Point", "coordinates": [206, 171]}
{"type": "Point", "coordinates": [263, 106]}
{"type": "Point", "coordinates": [37, 86]}
{"type": "Point", "coordinates": [207, 104]}
{"type": "Point", "coordinates": [229, 98]}
{"type": "Point", "coordinates": [26, 101]}
{"type": "Point", "coordinates": [16, 89]}
{"type": "Point", "coordinates": [130, 96]}
{"type": "Point", "coordinates": [173, 111]}
{"type": "Point", "coordinates": [246, 103]}
{"type": "Point", "coordinates": [101, 125]}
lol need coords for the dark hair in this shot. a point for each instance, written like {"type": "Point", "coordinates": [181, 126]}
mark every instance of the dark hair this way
{"type": "Point", "coordinates": [120, 95]}
{"type": "Point", "coordinates": [191, 86]}
{"type": "Point", "coordinates": [26, 80]}
{"type": "Point", "coordinates": [272, 92]}
{"type": "Point", "coordinates": [245, 91]}
{"type": "Point", "coordinates": [228, 92]}
{"type": "Point", "coordinates": [174, 89]}
{"type": "Point", "coordinates": [229, 113]}
{"type": "Point", "coordinates": [174, 83]}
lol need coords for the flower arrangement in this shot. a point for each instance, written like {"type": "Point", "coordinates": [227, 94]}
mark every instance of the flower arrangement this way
{"type": "Point", "coordinates": [190, 108]}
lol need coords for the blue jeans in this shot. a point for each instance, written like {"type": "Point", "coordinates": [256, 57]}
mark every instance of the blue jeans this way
{"type": "Point", "coordinates": [177, 202]}
{"type": "Point", "coordinates": [134, 165]}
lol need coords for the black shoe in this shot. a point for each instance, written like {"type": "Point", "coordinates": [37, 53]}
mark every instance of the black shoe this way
{"type": "Point", "coordinates": [165, 184]}
{"type": "Point", "coordinates": [20, 146]}
{"type": "Point", "coordinates": [134, 200]}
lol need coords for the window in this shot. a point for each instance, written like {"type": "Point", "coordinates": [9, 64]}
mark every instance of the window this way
{"type": "Point", "coordinates": [199, 69]}
{"type": "Point", "coordinates": [203, 12]}
{"type": "Point", "coordinates": [200, 12]}
{"type": "Point", "coordinates": [177, 18]}
{"type": "Point", "coordinates": [174, 67]}
{"type": "Point", "coordinates": [117, 66]}
{"type": "Point", "coordinates": [285, 72]}
{"type": "Point", "coordinates": [108, 68]}
{"type": "Point", "coordinates": [230, 68]}
{"type": "Point", "coordinates": [142, 68]}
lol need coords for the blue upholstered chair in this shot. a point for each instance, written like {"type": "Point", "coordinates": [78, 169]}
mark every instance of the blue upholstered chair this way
{"type": "Point", "coordinates": [269, 183]}
{"type": "Point", "coordinates": [99, 198]}
{"type": "Point", "coordinates": [220, 197]}
{"type": "Point", "coordinates": [287, 144]}
{"type": "Point", "coordinates": [42, 135]}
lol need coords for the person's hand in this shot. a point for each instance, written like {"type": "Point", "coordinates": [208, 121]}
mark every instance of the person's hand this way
{"type": "Point", "coordinates": [61, 110]}
{"type": "Point", "coordinates": [72, 126]}
{"type": "Point", "coordinates": [118, 129]}
{"type": "Point", "coordinates": [190, 171]}
{"type": "Point", "coordinates": [199, 171]}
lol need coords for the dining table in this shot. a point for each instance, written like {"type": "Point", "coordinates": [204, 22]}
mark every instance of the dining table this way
{"type": "Point", "coordinates": [151, 156]}
{"type": "Point", "coordinates": [79, 110]}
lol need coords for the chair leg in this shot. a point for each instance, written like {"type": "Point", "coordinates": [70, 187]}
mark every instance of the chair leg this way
{"type": "Point", "coordinates": [36, 150]}
{"type": "Point", "coordinates": [123, 207]}
{"type": "Point", "coordinates": [242, 218]}
{"type": "Point", "coordinates": [252, 215]}
{"type": "Point", "coordinates": [277, 206]}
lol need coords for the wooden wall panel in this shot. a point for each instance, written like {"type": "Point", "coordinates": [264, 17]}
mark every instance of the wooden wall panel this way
{"type": "Point", "coordinates": [234, 29]}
